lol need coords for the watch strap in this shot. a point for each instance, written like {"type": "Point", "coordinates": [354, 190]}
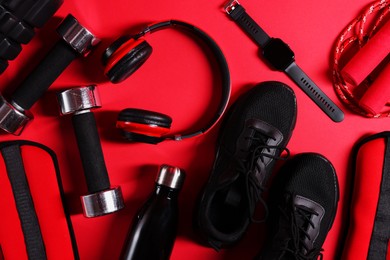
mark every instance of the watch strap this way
{"type": "Point", "coordinates": [314, 92]}
{"type": "Point", "coordinates": [240, 16]}
{"type": "Point", "coordinates": [261, 38]}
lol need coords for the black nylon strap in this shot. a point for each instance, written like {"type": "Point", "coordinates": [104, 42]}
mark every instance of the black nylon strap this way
{"type": "Point", "coordinates": [381, 231]}
{"type": "Point", "coordinates": [314, 92]}
{"type": "Point", "coordinates": [24, 203]}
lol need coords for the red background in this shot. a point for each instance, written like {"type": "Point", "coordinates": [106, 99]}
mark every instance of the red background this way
{"type": "Point", "coordinates": [178, 80]}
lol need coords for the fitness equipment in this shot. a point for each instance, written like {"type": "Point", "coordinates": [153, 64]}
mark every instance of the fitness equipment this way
{"type": "Point", "coordinates": [103, 199]}
{"type": "Point", "coordinates": [378, 94]}
{"type": "Point", "coordinates": [76, 41]}
{"type": "Point", "coordinates": [367, 229]}
{"type": "Point", "coordinates": [368, 57]}
{"type": "Point", "coordinates": [17, 21]}
{"type": "Point", "coordinates": [362, 84]}
{"type": "Point", "coordinates": [125, 55]}
{"type": "Point", "coordinates": [279, 55]}
{"type": "Point", "coordinates": [33, 218]}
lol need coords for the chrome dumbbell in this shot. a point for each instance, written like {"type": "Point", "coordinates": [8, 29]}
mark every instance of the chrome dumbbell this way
{"type": "Point", "coordinates": [76, 41]}
{"type": "Point", "coordinates": [103, 199]}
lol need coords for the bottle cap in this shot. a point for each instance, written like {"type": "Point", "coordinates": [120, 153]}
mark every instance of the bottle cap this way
{"type": "Point", "coordinates": [170, 176]}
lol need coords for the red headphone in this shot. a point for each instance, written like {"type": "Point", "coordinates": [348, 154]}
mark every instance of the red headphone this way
{"type": "Point", "coordinates": [124, 56]}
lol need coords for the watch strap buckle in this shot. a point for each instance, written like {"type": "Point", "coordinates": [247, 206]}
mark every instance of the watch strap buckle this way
{"type": "Point", "coordinates": [231, 6]}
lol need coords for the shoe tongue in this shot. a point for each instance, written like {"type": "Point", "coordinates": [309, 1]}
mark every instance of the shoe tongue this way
{"type": "Point", "coordinates": [273, 139]}
{"type": "Point", "coordinates": [309, 210]}
{"type": "Point", "coordinates": [300, 219]}
{"type": "Point", "coordinates": [287, 235]}
{"type": "Point", "coordinates": [253, 127]}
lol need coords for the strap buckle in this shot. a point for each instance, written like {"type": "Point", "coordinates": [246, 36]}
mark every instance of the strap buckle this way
{"type": "Point", "coordinates": [229, 7]}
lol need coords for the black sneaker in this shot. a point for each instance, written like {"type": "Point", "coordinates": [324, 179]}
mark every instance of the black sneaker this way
{"type": "Point", "coordinates": [303, 203]}
{"type": "Point", "coordinates": [252, 138]}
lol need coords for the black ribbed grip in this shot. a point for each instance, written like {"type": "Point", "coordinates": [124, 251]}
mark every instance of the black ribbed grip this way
{"type": "Point", "coordinates": [34, 12]}
{"type": "Point", "coordinates": [91, 152]}
{"type": "Point", "coordinates": [13, 28]}
{"type": "Point", "coordinates": [41, 78]}
{"type": "Point", "coordinates": [18, 18]}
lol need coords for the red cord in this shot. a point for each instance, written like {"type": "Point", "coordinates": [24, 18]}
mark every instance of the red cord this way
{"type": "Point", "coordinates": [357, 32]}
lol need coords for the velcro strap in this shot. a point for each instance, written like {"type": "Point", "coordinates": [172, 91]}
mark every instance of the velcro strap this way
{"type": "Point", "coordinates": [381, 230]}
{"type": "Point", "coordinates": [24, 203]}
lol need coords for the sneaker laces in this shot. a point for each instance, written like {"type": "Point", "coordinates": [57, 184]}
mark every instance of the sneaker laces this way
{"type": "Point", "coordinates": [300, 219]}
{"type": "Point", "coordinates": [253, 187]}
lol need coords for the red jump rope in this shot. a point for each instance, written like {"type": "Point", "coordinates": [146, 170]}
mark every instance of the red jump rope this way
{"type": "Point", "coordinates": [363, 84]}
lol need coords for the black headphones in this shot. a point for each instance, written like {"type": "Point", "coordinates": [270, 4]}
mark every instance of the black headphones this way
{"type": "Point", "coordinates": [124, 56]}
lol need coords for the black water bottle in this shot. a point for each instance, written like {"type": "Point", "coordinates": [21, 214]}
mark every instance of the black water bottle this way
{"type": "Point", "coordinates": [153, 232]}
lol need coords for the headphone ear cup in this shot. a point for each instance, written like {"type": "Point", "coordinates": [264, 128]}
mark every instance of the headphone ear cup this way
{"type": "Point", "coordinates": [145, 126]}
{"type": "Point", "coordinates": [127, 59]}
{"type": "Point", "coordinates": [114, 47]}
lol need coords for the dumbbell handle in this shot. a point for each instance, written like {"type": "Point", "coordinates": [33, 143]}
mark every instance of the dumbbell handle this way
{"type": "Point", "coordinates": [41, 78]}
{"type": "Point", "coordinates": [91, 152]}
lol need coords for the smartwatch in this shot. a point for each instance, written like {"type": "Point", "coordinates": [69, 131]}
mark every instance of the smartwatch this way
{"type": "Point", "coordinates": [279, 56]}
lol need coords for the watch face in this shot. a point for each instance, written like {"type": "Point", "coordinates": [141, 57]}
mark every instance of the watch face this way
{"type": "Point", "coordinates": [278, 54]}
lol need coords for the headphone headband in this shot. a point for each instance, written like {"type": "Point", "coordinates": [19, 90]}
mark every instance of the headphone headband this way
{"type": "Point", "coordinates": [222, 66]}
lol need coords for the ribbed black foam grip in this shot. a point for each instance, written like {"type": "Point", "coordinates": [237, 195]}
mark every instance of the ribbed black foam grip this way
{"type": "Point", "coordinates": [8, 48]}
{"type": "Point", "coordinates": [91, 152]}
{"type": "Point", "coordinates": [3, 67]}
{"type": "Point", "coordinates": [34, 12]}
{"type": "Point", "coordinates": [41, 78]}
{"type": "Point", "coordinates": [13, 28]}
{"type": "Point", "coordinates": [18, 18]}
